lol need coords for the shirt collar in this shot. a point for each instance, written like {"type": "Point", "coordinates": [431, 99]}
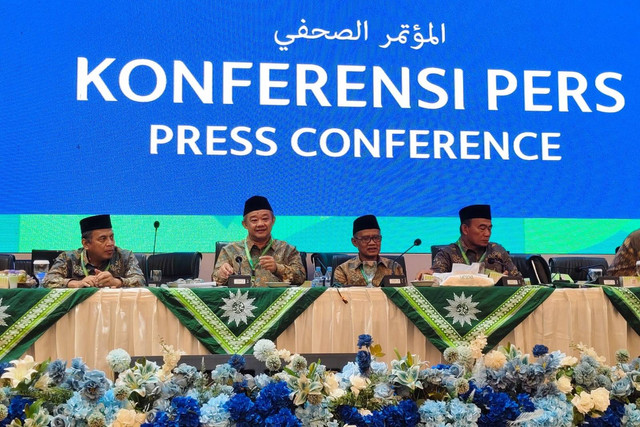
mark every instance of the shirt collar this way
{"type": "Point", "coordinates": [251, 243]}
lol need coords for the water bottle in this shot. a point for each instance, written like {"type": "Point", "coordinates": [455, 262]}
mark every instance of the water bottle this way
{"type": "Point", "coordinates": [327, 277]}
{"type": "Point", "coordinates": [317, 278]}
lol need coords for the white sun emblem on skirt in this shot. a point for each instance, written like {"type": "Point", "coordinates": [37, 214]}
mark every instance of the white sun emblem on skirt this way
{"type": "Point", "coordinates": [3, 313]}
{"type": "Point", "coordinates": [238, 307]}
{"type": "Point", "coordinates": [462, 309]}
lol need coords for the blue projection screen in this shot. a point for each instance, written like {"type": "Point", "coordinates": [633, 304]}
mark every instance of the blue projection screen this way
{"type": "Point", "coordinates": [408, 110]}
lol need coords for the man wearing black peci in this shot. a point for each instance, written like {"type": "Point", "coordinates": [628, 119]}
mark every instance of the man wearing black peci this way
{"type": "Point", "coordinates": [260, 255]}
{"type": "Point", "coordinates": [367, 238]}
{"type": "Point", "coordinates": [474, 245]}
{"type": "Point", "coordinates": [99, 263]}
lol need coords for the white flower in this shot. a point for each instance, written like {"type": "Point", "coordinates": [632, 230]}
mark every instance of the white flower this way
{"type": "Point", "coordinates": [285, 355]}
{"type": "Point", "coordinates": [358, 383]}
{"type": "Point", "coordinates": [263, 349]}
{"type": "Point", "coordinates": [564, 384]}
{"type": "Point", "coordinates": [583, 402]}
{"type": "Point", "coordinates": [118, 360]}
{"type": "Point", "coordinates": [22, 369]}
{"type": "Point", "coordinates": [495, 359]}
{"type": "Point", "coordinates": [600, 398]}
{"type": "Point", "coordinates": [569, 361]}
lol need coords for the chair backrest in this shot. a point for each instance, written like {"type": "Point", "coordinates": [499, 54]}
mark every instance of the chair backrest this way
{"type": "Point", "coordinates": [540, 271]}
{"type": "Point", "coordinates": [7, 261]}
{"type": "Point", "coordinates": [49, 255]}
{"type": "Point", "coordinates": [24, 264]}
{"type": "Point", "coordinates": [303, 258]}
{"type": "Point", "coordinates": [176, 265]}
{"type": "Point", "coordinates": [577, 267]}
{"type": "Point", "coordinates": [521, 261]}
{"type": "Point", "coordinates": [219, 246]}
{"type": "Point", "coordinates": [142, 262]}
{"type": "Point", "coordinates": [342, 258]}
{"type": "Point", "coordinates": [324, 260]}
{"type": "Point", "coordinates": [435, 249]}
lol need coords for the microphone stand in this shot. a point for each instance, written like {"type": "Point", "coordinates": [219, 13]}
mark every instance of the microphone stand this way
{"type": "Point", "coordinates": [398, 280]}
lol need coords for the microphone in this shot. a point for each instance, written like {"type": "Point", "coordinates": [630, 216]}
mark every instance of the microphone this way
{"type": "Point", "coordinates": [317, 258]}
{"type": "Point", "coordinates": [239, 280]}
{"type": "Point", "coordinates": [156, 224]}
{"type": "Point", "coordinates": [392, 280]}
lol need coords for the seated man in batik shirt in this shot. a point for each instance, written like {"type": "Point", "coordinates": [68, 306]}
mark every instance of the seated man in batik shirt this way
{"type": "Point", "coordinates": [98, 264]}
{"type": "Point", "coordinates": [259, 254]}
{"type": "Point", "coordinates": [474, 245]}
{"type": "Point", "coordinates": [367, 238]}
{"type": "Point", "coordinates": [624, 263]}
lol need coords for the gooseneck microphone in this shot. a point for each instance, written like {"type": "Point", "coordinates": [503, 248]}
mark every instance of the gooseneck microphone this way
{"type": "Point", "coordinates": [239, 261]}
{"type": "Point", "coordinates": [156, 224]}
{"type": "Point", "coordinates": [238, 280]}
{"type": "Point", "coordinates": [394, 280]}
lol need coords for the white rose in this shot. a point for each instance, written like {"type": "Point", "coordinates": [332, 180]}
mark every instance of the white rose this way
{"type": "Point", "coordinates": [358, 383]}
{"type": "Point", "coordinates": [569, 361]}
{"type": "Point", "coordinates": [583, 402]}
{"type": "Point", "coordinates": [564, 384]}
{"type": "Point", "coordinates": [600, 398]}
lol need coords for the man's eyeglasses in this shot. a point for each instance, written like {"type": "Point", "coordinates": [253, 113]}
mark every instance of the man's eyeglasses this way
{"type": "Point", "coordinates": [367, 239]}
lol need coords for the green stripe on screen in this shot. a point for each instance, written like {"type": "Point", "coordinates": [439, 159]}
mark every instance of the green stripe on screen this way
{"type": "Point", "coordinates": [21, 233]}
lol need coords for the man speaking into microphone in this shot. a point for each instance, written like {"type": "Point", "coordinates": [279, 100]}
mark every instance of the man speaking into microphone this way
{"type": "Point", "coordinates": [367, 238]}
{"type": "Point", "coordinates": [474, 245]}
{"type": "Point", "coordinates": [259, 254]}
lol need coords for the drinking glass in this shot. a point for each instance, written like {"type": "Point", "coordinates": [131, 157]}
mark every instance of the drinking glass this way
{"type": "Point", "coordinates": [369, 268]}
{"type": "Point", "coordinates": [40, 269]}
{"type": "Point", "coordinates": [594, 274]}
{"type": "Point", "coordinates": [155, 277]}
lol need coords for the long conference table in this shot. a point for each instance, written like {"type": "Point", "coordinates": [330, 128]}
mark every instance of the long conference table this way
{"type": "Point", "coordinates": [135, 320]}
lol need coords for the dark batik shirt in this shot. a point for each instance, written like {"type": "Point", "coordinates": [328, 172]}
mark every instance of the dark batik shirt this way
{"type": "Point", "coordinates": [624, 263]}
{"type": "Point", "coordinates": [68, 266]}
{"type": "Point", "coordinates": [496, 259]}
{"type": "Point", "coordinates": [287, 257]}
{"type": "Point", "coordinates": [349, 273]}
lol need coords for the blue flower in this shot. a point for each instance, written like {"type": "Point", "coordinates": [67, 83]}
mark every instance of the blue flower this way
{"type": "Point", "coordinates": [631, 414]}
{"type": "Point", "coordinates": [240, 408]}
{"type": "Point", "coordinates": [161, 419]}
{"type": "Point", "coordinates": [272, 398]}
{"type": "Point", "coordinates": [186, 411]}
{"type": "Point", "coordinates": [16, 410]}
{"type": "Point", "coordinates": [284, 418]}
{"type": "Point", "coordinates": [363, 359]}
{"type": "Point", "coordinates": [214, 411]}
{"type": "Point", "coordinates": [409, 412]}
{"type": "Point", "coordinates": [237, 362]}
{"type": "Point", "coordinates": [239, 386]}
{"type": "Point", "coordinates": [57, 371]}
{"type": "Point", "coordinates": [364, 340]}
{"type": "Point", "coordinates": [540, 350]}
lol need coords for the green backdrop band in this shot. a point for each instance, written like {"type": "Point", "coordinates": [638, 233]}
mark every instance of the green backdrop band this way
{"type": "Point", "coordinates": [177, 233]}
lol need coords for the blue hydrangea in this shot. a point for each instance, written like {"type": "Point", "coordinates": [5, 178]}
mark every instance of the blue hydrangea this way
{"type": "Point", "coordinates": [223, 372]}
{"type": "Point", "coordinates": [237, 362]}
{"type": "Point", "coordinates": [94, 386]}
{"type": "Point", "coordinates": [556, 411]}
{"type": "Point", "coordinates": [379, 368]}
{"type": "Point", "coordinates": [433, 412]}
{"type": "Point", "coordinates": [16, 410]}
{"type": "Point", "coordinates": [111, 406]}
{"type": "Point", "coordinates": [214, 411]}
{"type": "Point", "coordinates": [383, 391]}
{"type": "Point", "coordinates": [631, 415]}
{"type": "Point", "coordinates": [540, 350]}
{"type": "Point", "coordinates": [186, 411]}
{"type": "Point", "coordinates": [262, 380]}
{"type": "Point", "coordinates": [161, 419]}
{"type": "Point", "coordinates": [283, 418]}
{"type": "Point", "coordinates": [315, 414]}
{"type": "Point", "coordinates": [272, 398]}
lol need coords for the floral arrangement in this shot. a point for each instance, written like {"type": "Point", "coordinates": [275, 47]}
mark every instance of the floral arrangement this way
{"type": "Point", "coordinates": [502, 387]}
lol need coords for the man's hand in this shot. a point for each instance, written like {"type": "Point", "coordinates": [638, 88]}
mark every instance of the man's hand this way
{"type": "Point", "coordinates": [268, 263]}
{"type": "Point", "coordinates": [421, 272]}
{"type": "Point", "coordinates": [104, 279]}
{"type": "Point", "coordinates": [225, 271]}
{"type": "Point", "coordinates": [87, 282]}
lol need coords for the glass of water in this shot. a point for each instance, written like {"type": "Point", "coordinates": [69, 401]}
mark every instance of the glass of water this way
{"type": "Point", "coordinates": [40, 269]}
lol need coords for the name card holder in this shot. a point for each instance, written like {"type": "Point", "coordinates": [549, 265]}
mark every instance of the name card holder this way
{"type": "Point", "coordinates": [394, 281]}
{"type": "Point", "coordinates": [239, 281]}
{"type": "Point", "coordinates": [609, 281]}
{"type": "Point", "coordinates": [510, 281]}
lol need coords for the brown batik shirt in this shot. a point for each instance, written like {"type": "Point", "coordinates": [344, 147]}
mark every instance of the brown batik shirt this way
{"type": "Point", "coordinates": [350, 273]}
{"type": "Point", "coordinates": [496, 259]}
{"type": "Point", "coordinates": [624, 263]}
{"type": "Point", "coordinates": [287, 257]}
{"type": "Point", "coordinates": [68, 266]}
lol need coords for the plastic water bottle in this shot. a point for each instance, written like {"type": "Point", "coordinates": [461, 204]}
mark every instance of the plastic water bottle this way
{"type": "Point", "coordinates": [327, 277]}
{"type": "Point", "coordinates": [317, 278]}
